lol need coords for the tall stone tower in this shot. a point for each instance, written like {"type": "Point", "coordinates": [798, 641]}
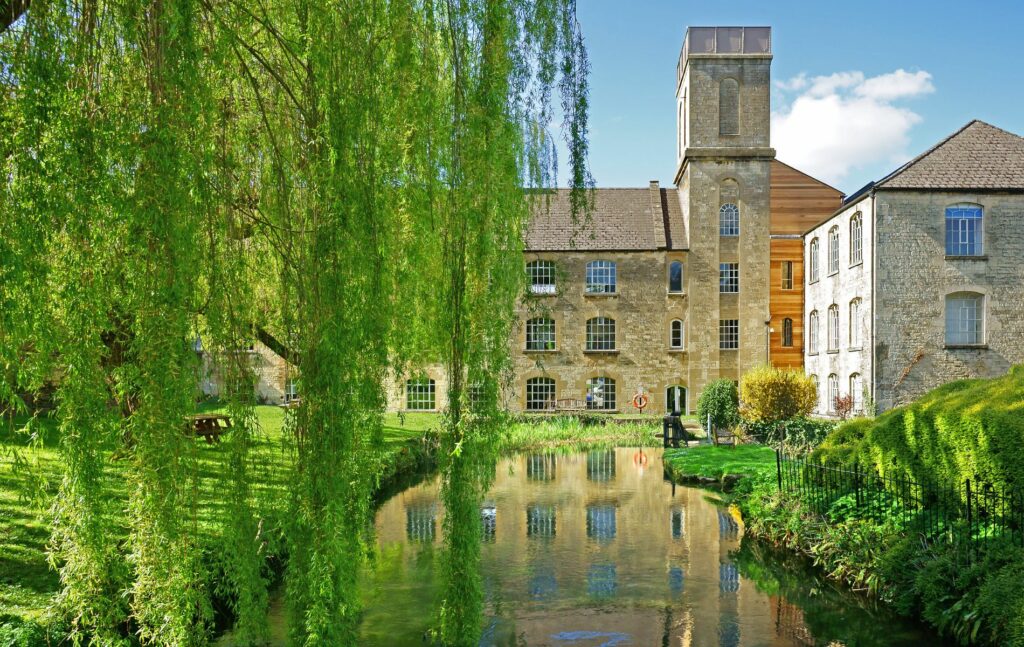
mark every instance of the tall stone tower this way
{"type": "Point", "coordinates": [724, 158]}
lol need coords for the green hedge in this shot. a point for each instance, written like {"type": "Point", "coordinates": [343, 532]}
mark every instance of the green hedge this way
{"type": "Point", "coordinates": [966, 429]}
{"type": "Point", "coordinates": [807, 432]}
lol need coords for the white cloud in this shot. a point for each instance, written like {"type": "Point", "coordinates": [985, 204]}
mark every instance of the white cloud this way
{"type": "Point", "coordinates": [844, 121]}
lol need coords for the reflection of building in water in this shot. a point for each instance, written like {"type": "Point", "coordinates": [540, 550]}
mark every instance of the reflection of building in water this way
{"type": "Point", "coordinates": [488, 522]}
{"type": "Point", "coordinates": [678, 523]}
{"type": "Point", "coordinates": [574, 552]}
{"type": "Point", "coordinates": [421, 521]}
{"type": "Point", "coordinates": [789, 623]}
{"type": "Point", "coordinates": [601, 465]}
{"type": "Point", "coordinates": [540, 521]}
{"type": "Point", "coordinates": [601, 522]}
{"type": "Point", "coordinates": [540, 467]}
{"type": "Point", "coordinates": [602, 580]}
{"type": "Point", "coordinates": [728, 527]}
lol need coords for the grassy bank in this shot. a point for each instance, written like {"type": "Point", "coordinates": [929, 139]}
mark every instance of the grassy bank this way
{"type": "Point", "coordinates": [708, 463]}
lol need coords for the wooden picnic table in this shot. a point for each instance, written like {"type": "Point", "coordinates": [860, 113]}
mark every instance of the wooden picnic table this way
{"type": "Point", "coordinates": [209, 425]}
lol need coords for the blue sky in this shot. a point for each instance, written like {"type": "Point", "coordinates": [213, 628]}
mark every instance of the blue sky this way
{"type": "Point", "coordinates": [860, 89]}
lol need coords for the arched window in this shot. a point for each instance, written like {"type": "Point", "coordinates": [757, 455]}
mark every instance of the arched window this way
{"type": "Point", "coordinates": [542, 276]}
{"type": "Point", "coordinates": [540, 393]}
{"type": "Point", "coordinates": [833, 250]}
{"type": "Point", "coordinates": [601, 277]}
{"type": "Point", "coordinates": [855, 324]}
{"type": "Point", "coordinates": [675, 399]}
{"type": "Point", "coordinates": [833, 327]}
{"type": "Point", "coordinates": [812, 332]}
{"type": "Point", "coordinates": [729, 220]}
{"type": "Point", "coordinates": [813, 255]}
{"type": "Point", "coordinates": [540, 334]}
{"type": "Point", "coordinates": [601, 393]}
{"type": "Point", "coordinates": [600, 333]}
{"type": "Point", "coordinates": [817, 388]}
{"type": "Point", "coordinates": [833, 391]}
{"type": "Point", "coordinates": [857, 391]}
{"type": "Point", "coordinates": [729, 107]}
{"type": "Point", "coordinates": [856, 239]}
{"type": "Point", "coordinates": [675, 277]}
{"type": "Point", "coordinates": [419, 394]}
{"type": "Point", "coordinates": [964, 230]}
{"type": "Point", "coordinates": [677, 338]}
{"type": "Point", "coordinates": [787, 332]}
{"type": "Point", "coordinates": [965, 319]}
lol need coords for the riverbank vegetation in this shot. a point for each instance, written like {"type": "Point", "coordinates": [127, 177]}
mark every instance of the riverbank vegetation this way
{"type": "Point", "coordinates": [965, 581]}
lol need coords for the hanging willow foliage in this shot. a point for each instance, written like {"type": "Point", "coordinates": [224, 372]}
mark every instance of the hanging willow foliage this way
{"type": "Point", "coordinates": [355, 176]}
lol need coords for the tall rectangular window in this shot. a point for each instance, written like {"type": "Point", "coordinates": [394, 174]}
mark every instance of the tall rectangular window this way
{"type": "Point", "coordinates": [728, 278]}
{"type": "Point", "coordinates": [965, 322]}
{"type": "Point", "coordinates": [601, 278]}
{"type": "Point", "coordinates": [787, 275]}
{"type": "Point", "coordinates": [856, 239]}
{"type": "Point", "coordinates": [729, 334]}
{"type": "Point", "coordinates": [833, 328]}
{"type": "Point", "coordinates": [542, 276]}
{"type": "Point", "coordinates": [855, 323]}
{"type": "Point", "coordinates": [787, 332]}
{"type": "Point", "coordinates": [812, 332]}
{"type": "Point", "coordinates": [812, 261]}
{"type": "Point", "coordinates": [964, 230]}
{"type": "Point", "coordinates": [833, 250]}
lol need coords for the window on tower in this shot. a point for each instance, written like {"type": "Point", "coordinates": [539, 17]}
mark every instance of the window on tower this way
{"type": "Point", "coordinates": [729, 107]}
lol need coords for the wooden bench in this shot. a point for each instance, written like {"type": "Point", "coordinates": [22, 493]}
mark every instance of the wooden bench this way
{"type": "Point", "coordinates": [724, 437]}
{"type": "Point", "coordinates": [570, 404]}
{"type": "Point", "coordinates": [209, 425]}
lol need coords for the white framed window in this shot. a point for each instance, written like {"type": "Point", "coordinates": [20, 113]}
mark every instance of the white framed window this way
{"type": "Point", "coordinates": [601, 333]}
{"type": "Point", "coordinates": [964, 230]}
{"type": "Point", "coordinates": [787, 332]}
{"type": "Point", "coordinates": [857, 391]}
{"type": "Point", "coordinates": [855, 323]}
{"type": "Point", "coordinates": [601, 278]}
{"type": "Point", "coordinates": [728, 278]}
{"type": "Point", "coordinates": [540, 334]}
{"type": "Point", "coordinates": [291, 390]}
{"type": "Point", "coordinates": [787, 275]}
{"type": "Point", "coordinates": [675, 277]}
{"type": "Point", "coordinates": [965, 319]}
{"type": "Point", "coordinates": [729, 334]}
{"type": "Point", "coordinates": [813, 256]}
{"type": "Point", "coordinates": [420, 394]}
{"type": "Point", "coordinates": [833, 250]}
{"type": "Point", "coordinates": [833, 391]}
{"type": "Point", "coordinates": [812, 332]}
{"type": "Point", "coordinates": [676, 334]}
{"type": "Point", "coordinates": [601, 394]}
{"type": "Point", "coordinates": [729, 220]}
{"type": "Point", "coordinates": [540, 393]}
{"type": "Point", "coordinates": [856, 239]}
{"type": "Point", "coordinates": [542, 276]}
{"type": "Point", "coordinates": [675, 399]}
{"type": "Point", "coordinates": [833, 327]}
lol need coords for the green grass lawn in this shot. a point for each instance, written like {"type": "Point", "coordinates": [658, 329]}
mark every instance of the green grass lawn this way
{"type": "Point", "coordinates": [30, 475]}
{"type": "Point", "coordinates": [708, 461]}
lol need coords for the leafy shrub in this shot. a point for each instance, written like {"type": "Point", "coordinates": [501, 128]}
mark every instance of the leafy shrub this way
{"type": "Point", "coordinates": [720, 400]}
{"type": "Point", "coordinates": [966, 429]}
{"type": "Point", "coordinates": [796, 433]}
{"type": "Point", "coordinates": [771, 394]}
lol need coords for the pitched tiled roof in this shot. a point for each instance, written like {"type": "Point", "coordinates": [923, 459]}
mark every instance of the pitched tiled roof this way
{"type": "Point", "coordinates": [622, 220]}
{"type": "Point", "coordinates": [978, 156]}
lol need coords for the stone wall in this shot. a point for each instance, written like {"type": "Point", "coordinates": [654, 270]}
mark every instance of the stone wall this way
{"type": "Point", "coordinates": [272, 374]}
{"type": "Point", "coordinates": [914, 276]}
{"type": "Point", "coordinates": [853, 281]}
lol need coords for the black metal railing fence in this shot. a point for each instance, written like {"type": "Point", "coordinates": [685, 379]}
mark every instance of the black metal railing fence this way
{"type": "Point", "coordinates": [967, 515]}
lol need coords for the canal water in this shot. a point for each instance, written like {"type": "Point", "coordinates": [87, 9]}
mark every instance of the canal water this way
{"type": "Point", "coordinates": [597, 548]}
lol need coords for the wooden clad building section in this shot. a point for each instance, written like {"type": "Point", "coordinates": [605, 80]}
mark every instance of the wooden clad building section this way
{"type": "Point", "coordinates": [798, 202]}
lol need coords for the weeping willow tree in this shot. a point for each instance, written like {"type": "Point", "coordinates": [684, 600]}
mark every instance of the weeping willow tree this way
{"type": "Point", "coordinates": [355, 175]}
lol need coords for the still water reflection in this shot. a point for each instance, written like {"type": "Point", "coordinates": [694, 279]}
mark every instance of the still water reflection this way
{"type": "Point", "coordinates": [596, 548]}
